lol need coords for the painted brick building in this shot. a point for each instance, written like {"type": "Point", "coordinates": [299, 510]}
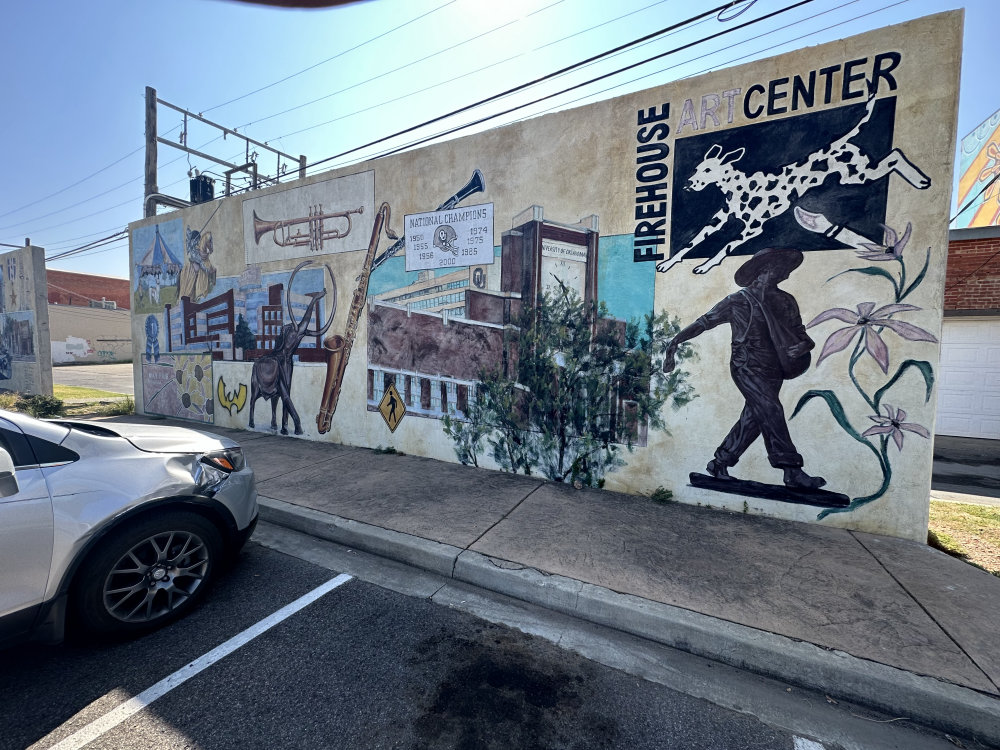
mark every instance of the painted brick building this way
{"type": "Point", "coordinates": [973, 278]}
{"type": "Point", "coordinates": [88, 318]}
{"type": "Point", "coordinates": [80, 289]}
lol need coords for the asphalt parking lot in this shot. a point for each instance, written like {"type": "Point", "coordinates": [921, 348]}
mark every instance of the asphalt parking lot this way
{"type": "Point", "coordinates": [357, 667]}
{"type": "Point", "coordinates": [116, 378]}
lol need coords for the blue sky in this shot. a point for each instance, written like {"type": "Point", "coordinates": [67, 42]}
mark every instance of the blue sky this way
{"type": "Point", "coordinates": [322, 82]}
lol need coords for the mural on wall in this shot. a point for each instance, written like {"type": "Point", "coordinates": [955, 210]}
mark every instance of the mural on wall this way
{"type": "Point", "coordinates": [780, 212]}
{"type": "Point", "coordinates": [198, 275]}
{"type": "Point", "coordinates": [179, 385]}
{"type": "Point", "coordinates": [522, 362]}
{"type": "Point", "coordinates": [25, 349]}
{"type": "Point", "coordinates": [332, 216]}
{"type": "Point", "coordinates": [157, 264]}
{"type": "Point", "coordinates": [769, 346]}
{"type": "Point", "coordinates": [866, 325]}
{"type": "Point", "coordinates": [231, 399]}
{"type": "Point", "coordinates": [577, 335]}
{"type": "Point", "coordinates": [17, 341]}
{"type": "Point", "coordinates": [271, 377]}
{"type": "Point", "coordinates": [759, 201]}
{"type": "Point", "coordinates": [979, 176]}
{"type": "Point", "coordinates": [337, 347]}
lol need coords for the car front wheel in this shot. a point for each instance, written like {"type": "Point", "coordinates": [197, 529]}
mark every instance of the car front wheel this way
{"type": "Point", "coordinates": [147, 574]}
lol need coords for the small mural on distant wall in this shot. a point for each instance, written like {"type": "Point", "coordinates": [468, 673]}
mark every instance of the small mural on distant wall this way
{"type": "Point", "coordinates": [727, 292]}
{"type": "Point", "coordinates": [979, 176]}
{"type": "Point", "coordinates": [179, 385]}
{"type": "Point", "coordinates": [25, 359]}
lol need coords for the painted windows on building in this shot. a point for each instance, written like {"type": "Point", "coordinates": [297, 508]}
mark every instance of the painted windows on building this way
{"type": "Point", "coordinates": [423, 396]}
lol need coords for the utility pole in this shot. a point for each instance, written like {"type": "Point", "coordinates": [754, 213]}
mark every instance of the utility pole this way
{"type": "Point", "coordinates": [148, 207]}
{"type": "Point", "coordinates": [152, 197]}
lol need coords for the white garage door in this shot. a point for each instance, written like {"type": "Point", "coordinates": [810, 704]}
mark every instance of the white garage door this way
{"type": "Point", "coordinates": [969, 378]}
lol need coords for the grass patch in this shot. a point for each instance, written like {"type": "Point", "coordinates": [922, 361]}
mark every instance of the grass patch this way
{"type": "Point", "coordinates": [97, 403]}
{"type": "Point", "coordinates": [70, 392]}
{"type": "Point", "coordinates": [968, 532]}
{"type": "Point", "coordinates": [104, 407]}
{"type": "Point", "coordinates": [662, 495]}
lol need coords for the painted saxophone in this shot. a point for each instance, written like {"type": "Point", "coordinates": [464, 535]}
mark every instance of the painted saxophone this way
{"type": "Point", "coordinates": [337, 347]}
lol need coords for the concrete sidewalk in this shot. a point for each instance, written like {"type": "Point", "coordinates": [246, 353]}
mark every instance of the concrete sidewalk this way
{"type": "Point", "coordinates": [891, 624]}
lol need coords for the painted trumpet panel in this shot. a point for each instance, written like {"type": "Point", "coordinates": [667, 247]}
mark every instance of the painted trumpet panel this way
{"type": "Point", "coordinates": [333, 216]}
{"type": "Point", "coordinates": [727, 287]}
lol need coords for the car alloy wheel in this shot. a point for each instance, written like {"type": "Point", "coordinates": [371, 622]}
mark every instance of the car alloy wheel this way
{"type": "Point", "coordinates": [147, 573]}
{"type": "Point", "coordinates": [156, 576]}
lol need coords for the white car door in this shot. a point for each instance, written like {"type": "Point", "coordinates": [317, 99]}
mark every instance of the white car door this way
{"type": "Point", "coordinates": [26, 530]}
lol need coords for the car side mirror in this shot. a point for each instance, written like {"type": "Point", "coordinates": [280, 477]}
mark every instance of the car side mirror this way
{"type": "Point", "coordinates": [8, 482]}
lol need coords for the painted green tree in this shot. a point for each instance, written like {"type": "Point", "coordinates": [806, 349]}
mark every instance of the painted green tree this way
{"type": "Point", "coordinates": [584, 387]}
{"type": "Point", "coordinates": [243, 337]}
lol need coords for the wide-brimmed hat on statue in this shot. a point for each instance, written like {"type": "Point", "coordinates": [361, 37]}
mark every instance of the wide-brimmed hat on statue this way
{"type": "Point", "coordinates": [784, 259]}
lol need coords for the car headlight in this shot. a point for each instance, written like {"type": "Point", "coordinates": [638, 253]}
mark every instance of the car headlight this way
{"type": "Point", "coordinates": [213, 468]}
{"type": "Point", "coordinates": [226, 461]}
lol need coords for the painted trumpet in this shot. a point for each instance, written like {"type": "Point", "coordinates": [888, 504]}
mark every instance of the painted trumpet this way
{"type": "Point", "coordinates": [317, 233]}
{"type": "Point", "coordinates": [338, 348]}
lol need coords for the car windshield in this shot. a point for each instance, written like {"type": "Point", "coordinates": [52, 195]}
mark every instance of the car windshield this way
{"type": "Point", "coordinates": [51, 431]}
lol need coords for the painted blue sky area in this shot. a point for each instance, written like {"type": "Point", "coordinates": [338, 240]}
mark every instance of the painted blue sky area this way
{"type": "Point", "coordinates": [393, 274]}
{"type": "Point", "coordinates": [625, 286]}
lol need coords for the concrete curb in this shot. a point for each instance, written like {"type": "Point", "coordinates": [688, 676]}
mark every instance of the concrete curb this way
{"type": "Point", "coordinates": [406, 548]}
{"type": "Point", "coordinates": [925, 700]}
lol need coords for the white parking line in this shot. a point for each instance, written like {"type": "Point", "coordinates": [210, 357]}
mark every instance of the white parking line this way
{"type": "Point", "coordinates": [133, 705]}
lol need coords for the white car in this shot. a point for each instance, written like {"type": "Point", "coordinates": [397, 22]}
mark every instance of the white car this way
{"type": "Point", "coordinates": [117, 528]}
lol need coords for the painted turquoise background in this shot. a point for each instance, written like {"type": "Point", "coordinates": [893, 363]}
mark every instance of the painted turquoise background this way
{"type": "Point", "coordinates": [625, 286]}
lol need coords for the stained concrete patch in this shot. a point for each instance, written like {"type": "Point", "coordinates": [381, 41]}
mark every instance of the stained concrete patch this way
{"type": "Point", "coordinates": [947, 597]}
{"type": "Point", "coordinates": [278, 456]}
{"type": "Point", "coordinates": [811, 584]}
{"type": "Point", "coordinates": [381, 489]}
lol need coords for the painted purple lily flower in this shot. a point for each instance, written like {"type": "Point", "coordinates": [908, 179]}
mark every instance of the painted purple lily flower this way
{"type": "Point", "coordinates": [892, 245]}
{"type": "Point", "coordinates": [869, 322]}
{"type": "Point", "coordinates": [893, 424]}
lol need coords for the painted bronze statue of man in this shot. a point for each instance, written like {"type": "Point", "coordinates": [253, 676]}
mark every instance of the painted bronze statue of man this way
{"type": "Point", "coordinates": [769, 346]}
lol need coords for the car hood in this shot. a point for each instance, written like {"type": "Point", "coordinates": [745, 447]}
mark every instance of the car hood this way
{"type": "Point", "coordinates": [168, 439]}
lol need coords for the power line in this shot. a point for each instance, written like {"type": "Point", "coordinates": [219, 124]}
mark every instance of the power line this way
{"type": "Point", "coordinates": [89, 245]}
{"type": "Point", "coordinates": [558, 73]}
{"type": "Point", "coordinates": [98, 251]}
{"type": "Point", "coordinates": [329, 59]}
{"type": "Point", "coordinates": [450, 48]}
{"type": "Point", "coordinates": [118, 205]}
{"type": "Point", "coordinates": [715, 52]}
{"type": "Point", "coordinates": [568, 89]}
{"type": "Point", "coordinates": [217, 106]}
{"type": "Point", "coordinates": [78, 182]}
{"type": "Point", "coordinates": [466, 74]}
{"type": "Point", "coordinates": [94, 197]}
{"type": "Point", "coordinates": [63, 190]}
{"type": "Point", "coordinates": [974, 198]}
{"type": "Point", "coordinates": [535, 82]}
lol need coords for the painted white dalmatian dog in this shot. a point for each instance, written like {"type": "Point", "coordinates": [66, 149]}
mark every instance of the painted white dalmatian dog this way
{"type": "Point", "coordinates": [757, 198]}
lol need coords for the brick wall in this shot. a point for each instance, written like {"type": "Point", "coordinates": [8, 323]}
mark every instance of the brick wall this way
{"type": "Point", "coordinates": [69, 288]}
{"type": "Point", "coordinates": [972, 281]}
